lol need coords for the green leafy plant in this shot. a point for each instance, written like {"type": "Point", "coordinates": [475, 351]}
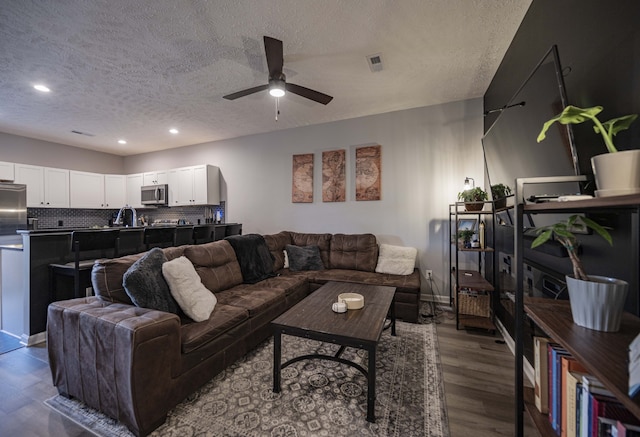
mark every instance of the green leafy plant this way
{"type": "Point", "coordinates": [562, 233]}
{"type": "Point", "coordinates": [575, 115]}
{"type": "Point", "coordinates": [466, 235]}
{"type": "Point", "coordinates": [476, 194]}
{"type": "Point", "coordinates": [499, 191]}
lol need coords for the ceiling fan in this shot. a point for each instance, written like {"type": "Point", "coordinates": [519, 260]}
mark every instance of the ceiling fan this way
{"type": "Point", "coordinates": [277, 80]}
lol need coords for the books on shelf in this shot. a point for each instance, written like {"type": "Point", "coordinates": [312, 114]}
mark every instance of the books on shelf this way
{"type": "Point", "coordinates": [577, 403]}
{"type": "Point", "coordinates": [634, 366]}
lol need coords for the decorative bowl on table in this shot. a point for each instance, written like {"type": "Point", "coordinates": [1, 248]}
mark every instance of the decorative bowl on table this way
{"type": "Point", "coordinates": [354, 301]}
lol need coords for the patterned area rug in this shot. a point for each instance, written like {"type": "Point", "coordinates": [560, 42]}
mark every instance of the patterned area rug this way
{"type": "Point", "coordinates": [318, 398]}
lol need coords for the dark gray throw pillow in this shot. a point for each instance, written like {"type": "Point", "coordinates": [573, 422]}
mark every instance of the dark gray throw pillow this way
{"type": "Point", "coordinates": [304, 258]}
{"type": "Point", "coordinates": [145, 285]}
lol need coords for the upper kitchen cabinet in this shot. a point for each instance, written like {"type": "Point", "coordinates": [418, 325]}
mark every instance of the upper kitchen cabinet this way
{"type": "Point", "coordinates": [46, 187]}
{"type": "Point", "coordinates": [197, 185]}
{"type": "Point", "coordinates": [155, 178]}
{"type": "Point", "coordinates": [134, 183]}
{"type": "Point", "coordinates": [115, 190]}
{"type": "Point", "coordinates": [86, 190]}
{"type": "Point", "coordinates": [7, 172]}
{"type": "Point", "coordinates": [94, 190]}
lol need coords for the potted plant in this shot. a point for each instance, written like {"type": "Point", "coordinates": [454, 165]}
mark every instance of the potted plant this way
{"type": "Point", "coordinates": [473, 198]}
{"type": "Point", "coordinates": [597, 302]}
{"type": "Point", "coordinates": [616, 172]}
{"type": "Point", "coordinates": [499, 193]}
{"type": "Point", "coordinates": [465, 235]}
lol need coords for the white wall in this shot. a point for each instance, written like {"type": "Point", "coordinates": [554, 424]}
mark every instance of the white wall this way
{"type": "Point", "coordinates": [23, 150]}
{"type": "Point", "coordinates": [426, 154]}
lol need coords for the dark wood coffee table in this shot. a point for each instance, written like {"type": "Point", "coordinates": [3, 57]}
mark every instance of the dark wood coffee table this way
{"type": "Point", "coordinates": [313, 318]}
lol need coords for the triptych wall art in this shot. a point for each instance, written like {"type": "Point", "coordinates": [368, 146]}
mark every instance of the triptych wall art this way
{"type": "Point", "coordinates": [368, 174]}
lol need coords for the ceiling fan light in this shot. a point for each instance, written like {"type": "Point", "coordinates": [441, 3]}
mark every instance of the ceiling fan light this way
{"type": "Point", "coordinates": [276, 87]}
{"type": "Point", "coordinates": [276, 92]}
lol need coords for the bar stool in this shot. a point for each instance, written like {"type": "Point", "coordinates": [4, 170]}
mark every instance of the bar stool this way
{"type": "Point", "coordinates": [159, 237]}
{"type": "Point", "coordinates": [84, 245]}
{"type": "Point", "coordinates": [235, 229]}
{"type": "Point", "coordinates": [203, 234]}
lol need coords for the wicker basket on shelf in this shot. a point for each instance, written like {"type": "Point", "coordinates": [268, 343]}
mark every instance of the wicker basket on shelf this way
{"type": "Point", "coordinates": [474, 303]}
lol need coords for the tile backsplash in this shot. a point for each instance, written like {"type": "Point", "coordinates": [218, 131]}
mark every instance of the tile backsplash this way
{"type": "Point", "coordinates": [84, 218]}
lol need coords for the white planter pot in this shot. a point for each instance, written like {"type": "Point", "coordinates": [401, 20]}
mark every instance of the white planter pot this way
{"type": "Point", "coordinates": [617, 173]}
{"type": "Point", "coordinates": [597, 304]}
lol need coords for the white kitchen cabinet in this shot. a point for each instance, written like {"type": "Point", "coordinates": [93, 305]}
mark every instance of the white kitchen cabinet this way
{"type": "Point", "coordinates": [7, 171]}
{"type": "Point", "coordinates": [86, 190]}
{"type": "Point", "coordinates": [115, 190]}
{"type": "Point", "coordinates": [134, 182]}
{"type": "Point", "coordinates": [96, 190]}
{"type": "Point", "coordinates": [155, 178]}
{"type": "Point", "coordinates": [196, 185]}
{"type": "Point", "coordinates": [46, 187]}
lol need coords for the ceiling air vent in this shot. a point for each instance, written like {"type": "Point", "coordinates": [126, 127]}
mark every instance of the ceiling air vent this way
{"type": "Point", "coordinates": [375, 62]}
{"type": "Point", "coordinates": [83, 133]}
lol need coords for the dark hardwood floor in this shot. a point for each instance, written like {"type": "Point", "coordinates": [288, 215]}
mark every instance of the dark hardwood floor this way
{"type": "Point", "coordinates": [478, 375]}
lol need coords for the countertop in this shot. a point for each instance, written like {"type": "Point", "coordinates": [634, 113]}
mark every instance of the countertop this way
{"type": "Point", "coordinates": [64, 230]}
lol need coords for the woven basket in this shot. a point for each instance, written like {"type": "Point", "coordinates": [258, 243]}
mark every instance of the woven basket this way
{"type": "Point", "coordinates": [474, 304]}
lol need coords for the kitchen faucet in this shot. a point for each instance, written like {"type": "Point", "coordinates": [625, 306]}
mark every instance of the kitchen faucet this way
{"type": "Point", "coordinates": [120, 216]}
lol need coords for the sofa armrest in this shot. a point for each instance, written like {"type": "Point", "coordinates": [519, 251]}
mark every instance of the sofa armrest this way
{"type": "Point", "coordinates": [116, 358]}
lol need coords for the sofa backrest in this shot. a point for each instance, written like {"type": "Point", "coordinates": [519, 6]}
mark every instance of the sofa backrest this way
{"type": "Point", "coordinates": [106, 275]}
{"type": "Point", "coordinates": [353, 252]}
{"type": "Point", "coordinates": [216, 263]}
{"type": "Point", "coordinates": [276, 244]}
{"type": "Point", "coordinates": [320, 240]}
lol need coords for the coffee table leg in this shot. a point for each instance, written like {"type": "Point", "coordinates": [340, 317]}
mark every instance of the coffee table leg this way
{"type": "Point", "coordinates": [277, 350]}
{"type": "Point", "coordinates": [393, 317]}
{"type": "Point", "coordinates": [371, 389]}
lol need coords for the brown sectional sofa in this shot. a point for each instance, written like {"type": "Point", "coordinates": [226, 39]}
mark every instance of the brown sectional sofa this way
{"type": "Point", "coordinates": [136, 364]}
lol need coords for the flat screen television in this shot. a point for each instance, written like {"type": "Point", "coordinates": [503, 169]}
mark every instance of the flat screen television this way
{"type": "Point", "coordinates": [510, 147]}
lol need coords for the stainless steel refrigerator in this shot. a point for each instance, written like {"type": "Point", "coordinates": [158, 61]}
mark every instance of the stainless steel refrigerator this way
{"type": "Point", "coordinates": [13, 210]}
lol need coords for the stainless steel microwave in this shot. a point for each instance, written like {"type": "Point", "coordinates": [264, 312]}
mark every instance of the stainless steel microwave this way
{"type": "Point", "coordinates": [155, 194]}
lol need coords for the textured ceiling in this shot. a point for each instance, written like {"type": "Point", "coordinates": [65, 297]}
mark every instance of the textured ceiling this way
{"type": "Point", "coordinates": [133, 69]}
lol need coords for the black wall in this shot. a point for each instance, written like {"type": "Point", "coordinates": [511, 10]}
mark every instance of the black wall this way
{"type": "Point", "coordinates": [599, 47]}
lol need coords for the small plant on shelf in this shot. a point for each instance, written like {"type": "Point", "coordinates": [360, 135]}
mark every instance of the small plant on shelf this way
{"type": "Point", "coordinates": [499, 193]}
{"type": "Point", "coordinates": [562, 233]}
{"type": "Point", "coordinates": [465, 235]}
{"type": "Point", "coordinates": [471, 196]}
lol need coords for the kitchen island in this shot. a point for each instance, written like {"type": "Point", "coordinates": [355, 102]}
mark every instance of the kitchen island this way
{"type": "Point", "coordinates": [25, 277]}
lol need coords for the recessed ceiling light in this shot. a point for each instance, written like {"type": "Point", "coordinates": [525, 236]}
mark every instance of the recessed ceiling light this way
{"type": "Point", "coordinates": [173, 131]}
{"type": "Point", "coordinates": [122, 142]}
{"type": "Point", "coordinates": [42, 88]}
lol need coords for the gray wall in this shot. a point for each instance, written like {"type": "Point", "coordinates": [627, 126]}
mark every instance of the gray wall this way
{"type": "Point", "coordinates": [426, 154]}
{"type": "Point", "coordinates": [24, 150]}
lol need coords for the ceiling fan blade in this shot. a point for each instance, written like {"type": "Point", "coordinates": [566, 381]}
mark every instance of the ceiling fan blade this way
{"type": "Point", "coordinates": [273, 50]}
{"type": "Point", "coordinates": [246, 92]}
{"type": "Point", "coordinates": [308, 93]}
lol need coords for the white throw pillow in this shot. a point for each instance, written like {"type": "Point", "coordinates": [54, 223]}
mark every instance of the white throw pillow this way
{"type": "Point", "coordinates": [195, 299]}
{"type": "Point", "coordinates": [396, 260]}
{"type": "Point", "coordinates": [286, 260]}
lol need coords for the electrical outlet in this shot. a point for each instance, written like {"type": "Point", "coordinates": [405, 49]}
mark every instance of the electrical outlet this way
{"type": "Point", "coordinates": [429, 273]}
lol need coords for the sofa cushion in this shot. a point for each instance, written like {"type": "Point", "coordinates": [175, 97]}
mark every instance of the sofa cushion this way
{"type": "Point", "coordinates": [106, 278]}
{"type": "Point", "coordinates": [405, 283]}
{"type": "Point", "coordinates": [252, 252]}
{"type": "Point", "coordinates": [276, 244]}
{"type": "Point", "coordinates": [396, 260]}
{"type": "Point", "coordinates": [186, 287]}
{"type": "Point", "coordinates": [304, 258]}
{"type": "Point", "coordinates": [223, 318]}
{"type": "Point", "coordinates": [323, 242]}
{"type": "Point", "coordinates": [355, 252]}
{"type": "Point", "coordinates": [252, 298]}
{"type": "Point", "coordinates": [145, 285]}
{"type": "Point", "coordinates": [216, 263]}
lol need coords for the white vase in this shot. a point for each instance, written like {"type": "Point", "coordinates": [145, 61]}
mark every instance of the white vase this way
{"type": "Point", "coordinates": [617, 173]}
{"type": "Point", "coordinates": [597, 304]}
